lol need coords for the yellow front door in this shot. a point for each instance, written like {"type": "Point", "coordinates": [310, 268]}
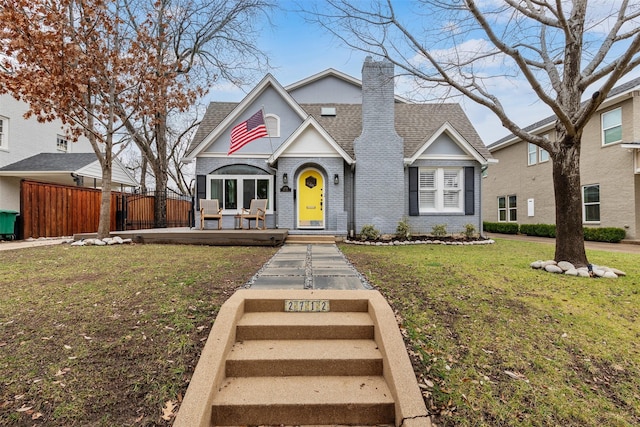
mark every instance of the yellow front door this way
{"type": "Point", "coordinates": [310, 199]}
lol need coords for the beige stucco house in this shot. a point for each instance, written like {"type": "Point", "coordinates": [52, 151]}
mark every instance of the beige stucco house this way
{"type": "Point", "coordinates": [519, 187]}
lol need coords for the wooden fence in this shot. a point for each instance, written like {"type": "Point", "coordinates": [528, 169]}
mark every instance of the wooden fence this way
{"type": "Point", "coordinates": [51, 210]}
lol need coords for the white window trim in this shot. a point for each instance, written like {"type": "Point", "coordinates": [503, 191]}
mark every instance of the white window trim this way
{"type": "Point", "coordinates": [59, 138]}
{"type": "Point", "coordinates": [277, 126]}
{"type": "Point", "coordinates": [4, 135]}
{"type": "Point", "coordinates": [240, 189]}
{"type": "Point", "coordinates": [507, 209]}
{"type": "Point", "coordinates": [603, 129]}
{"type": "Point", "coordinates": [584, 205]}
{"type": "Point", "coordinates": [440, 190]}
{"type": "Point", "coordinates": [530, 152]}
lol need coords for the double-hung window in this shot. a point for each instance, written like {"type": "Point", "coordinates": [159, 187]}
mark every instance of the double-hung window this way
{"type": "Point", "coordinates": [235, 186]}
{"type": "Point", "coordinates": [440, 190]}
{"type": "Point", "coordinates": [62, 144]}
{"type": "Point", "coordinates": [591, 203]}
{"type": "Point", "coordinates": [532, 150]}
{"type": "Point", "coordinates": [612, 126]}
{"type": "Point", "coordinates": [4, 124]}
{"type": "Point", "coordinates": [507, 209]}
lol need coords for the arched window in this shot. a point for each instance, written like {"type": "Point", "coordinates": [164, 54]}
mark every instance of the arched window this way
{"type": "Point", "coordinates": [273, 125]}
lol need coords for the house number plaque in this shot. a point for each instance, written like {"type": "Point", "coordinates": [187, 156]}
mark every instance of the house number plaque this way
{"type": "Point", "coordinates": [306, 305]}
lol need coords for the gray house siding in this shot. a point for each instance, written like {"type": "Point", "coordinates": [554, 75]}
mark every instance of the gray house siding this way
{"type": "Point", "coordinates": [328, 90]}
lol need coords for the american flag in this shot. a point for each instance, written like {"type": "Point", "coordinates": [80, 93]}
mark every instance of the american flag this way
{"type": "Point", "coordinates": [247, 131]}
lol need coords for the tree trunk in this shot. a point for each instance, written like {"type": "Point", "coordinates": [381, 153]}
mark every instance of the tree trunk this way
{"type": "Point", "coordinates": [160, 171]}
{"type": "Point", "coordinates": [568, 196]}
{"type": "Point", "coordinates": [104, 224]}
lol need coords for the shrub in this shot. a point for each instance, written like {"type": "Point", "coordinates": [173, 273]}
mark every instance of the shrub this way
{"type": "Point", "coordinates": [403, 230]}
{"type": "Point", "coordinates": [500, 227]}
{"type": "Point", "coordinates": [469, 231]}
{"type": "Point", "coordinates": [604, 234]}
{"type": "Point", "coordinates": [439, 230]}
{"type": "Point", "coordinates": [369, 232]}
{"type": "Point", "coordinates": [542, 230]}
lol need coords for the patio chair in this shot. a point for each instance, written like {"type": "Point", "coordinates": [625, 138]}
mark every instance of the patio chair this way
{"type": "Point", "coordinates": [209, 209]}
{"type": "Point", "coordinates": [257, 211]}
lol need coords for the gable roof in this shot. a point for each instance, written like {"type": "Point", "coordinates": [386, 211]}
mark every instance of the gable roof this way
{"type": "Point", "coordinates": [84, 164]}
{"type": "Point", "coordinates": [330, 72]}
{"type": "Point", "coordinates": [415, 123]}
{"type": "Point", "coordinates": [311, 122]}
{"type": "Point", "coordinates": [617, 91]}
{"type": "Point", "coordinates": [210, 134]}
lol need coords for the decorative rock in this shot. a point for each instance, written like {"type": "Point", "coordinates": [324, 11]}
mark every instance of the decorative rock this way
{"type": "Point", "coordinates": [78, 243]}
{"type": "Point", "coordinates": [552, 268]}
{"type": "Point", "coordinates": [583, 273]}
{"type": "Point", "coordinates": [618, 272]}
{"type": "Point", "coordinates": [566, 266]}
{"type": "Point", "coordinates": [571, 272]}
{"type": "Point", "coordinates": [536, 264]}
{"type": "Point", "coordinates": [609, 275]}
{"type": "Point", "coordinates": [598, 272]}
{"type": "Point", "coordinates": [548, 262]}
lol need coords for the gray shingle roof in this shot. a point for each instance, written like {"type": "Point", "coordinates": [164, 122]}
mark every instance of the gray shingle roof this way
{"type": "Point", "coordinates": [216, 113]}
{"type": "Point", "coordinates": [59, 162]}
{"type": "Point", "coordinates": [415, 123]}
{"type": "Point", "coordinates": [551, 119]}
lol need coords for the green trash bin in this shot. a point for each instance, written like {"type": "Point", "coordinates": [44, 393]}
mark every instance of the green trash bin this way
{"type": "Point", "coordinates": [8, 223]}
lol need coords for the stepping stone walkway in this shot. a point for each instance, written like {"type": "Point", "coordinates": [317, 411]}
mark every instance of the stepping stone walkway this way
{"type": "Point", "coordinates": [313, 266]}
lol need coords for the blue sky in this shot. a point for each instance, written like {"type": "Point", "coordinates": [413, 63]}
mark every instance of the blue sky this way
{"type": "Point", "coordinates": [298, 50]}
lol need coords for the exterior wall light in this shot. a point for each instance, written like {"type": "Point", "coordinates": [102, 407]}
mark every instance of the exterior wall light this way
{"type": "Point", "coordinates": [336, 179]}
{"type": "Point", "coordinates": [285, 178]}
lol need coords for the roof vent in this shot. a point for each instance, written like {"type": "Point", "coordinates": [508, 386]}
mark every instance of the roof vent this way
{"type": "Point", "coordinates": [328, 111]}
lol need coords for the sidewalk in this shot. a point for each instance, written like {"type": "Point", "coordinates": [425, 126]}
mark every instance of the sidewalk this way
{"type": "Point", "coordinates": [299, 266]}
{"type": "Point", "coordinates": [626, 247]}
{"type": "Point", "coordinates": [31, 243]}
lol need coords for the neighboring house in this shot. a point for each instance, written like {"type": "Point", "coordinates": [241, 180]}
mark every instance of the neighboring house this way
{"type": "Point", "coordinates": [520, 187]}
{"type": "Point", "coordinates": [41, 152]}
{"type": "Point", "coordinates": [342, 154]}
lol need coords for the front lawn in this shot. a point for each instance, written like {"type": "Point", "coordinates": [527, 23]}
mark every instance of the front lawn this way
{"type": "Point", "coordinates": [495, 343]}
{"type": "Point", "coordinates": [109, 336]}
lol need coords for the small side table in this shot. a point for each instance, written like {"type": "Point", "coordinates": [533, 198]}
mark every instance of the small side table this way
{"type": "Point", "coordinates": [237, 222]}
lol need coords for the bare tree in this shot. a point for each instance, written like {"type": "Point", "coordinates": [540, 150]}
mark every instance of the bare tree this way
{"type": "Point", "coordinates": [61, 57]}
{"type": "Point", "coordinates": [560, 48]}
{"type": "Point", "coordinates": [187, 45]}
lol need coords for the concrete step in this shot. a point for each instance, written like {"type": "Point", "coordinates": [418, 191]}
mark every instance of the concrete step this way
{"type": "Point", "coordinates": [304, 358]}
{"type": "Point", "coordinates": [304, 326]}
{"type": "Point", "coordinates": [364, 400]}
{"type": "Point", "coordinates": [310, 239]}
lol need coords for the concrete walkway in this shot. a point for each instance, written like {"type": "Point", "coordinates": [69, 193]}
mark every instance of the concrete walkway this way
{"type": "Point", "coordinates": [313, 266]}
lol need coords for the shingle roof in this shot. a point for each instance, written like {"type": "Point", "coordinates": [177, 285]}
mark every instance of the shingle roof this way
{"type": "Point", "coordinates": [58, 162]}
{"type": "Point", "coordinates": [415, 123]}
{"type": "Point", "coordinates": [548, 120]}
{"type": "Point", "coordinates": [216, 113]}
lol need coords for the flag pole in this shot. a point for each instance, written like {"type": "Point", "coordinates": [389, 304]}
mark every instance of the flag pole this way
{"type": "Point", "coordinates": [265, 124]}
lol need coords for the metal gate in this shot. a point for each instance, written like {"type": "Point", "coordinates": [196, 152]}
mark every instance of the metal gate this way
{"type": "Point", "coordinates": [136, 211]}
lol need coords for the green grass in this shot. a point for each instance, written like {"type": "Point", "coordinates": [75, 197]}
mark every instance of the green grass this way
{"type": "Point", "coordinates": [104, 336]}
{"type": "Point", "coordinates": [496, 343]}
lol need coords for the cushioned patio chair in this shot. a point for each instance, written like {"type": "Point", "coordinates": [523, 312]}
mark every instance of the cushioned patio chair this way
{"type": "Point", "coordinates": [257, 211]}
{"type": "Point", "coordinates": [209, 209]}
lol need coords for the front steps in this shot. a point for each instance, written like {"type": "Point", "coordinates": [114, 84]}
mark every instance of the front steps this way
{"type": "Point", "coordinates": [264, 366]}
{"type": "Point", "coordinates": [310, 239]}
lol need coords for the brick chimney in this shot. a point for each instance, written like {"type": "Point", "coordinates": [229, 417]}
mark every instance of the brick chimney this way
{"type": "Point", "coordinates": [379, 175]}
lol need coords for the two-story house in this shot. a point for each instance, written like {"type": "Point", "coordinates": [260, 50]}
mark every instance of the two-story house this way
{"type": "Point", "coordinates": [340, 154]}
{"type": "Point", "coordinates": [41, 152]}
{"type": "Point", "coordinates": [519, 188]}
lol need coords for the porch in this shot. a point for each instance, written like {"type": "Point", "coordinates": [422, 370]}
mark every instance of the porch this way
{"type": "Point", "coordinates": [195, 236]}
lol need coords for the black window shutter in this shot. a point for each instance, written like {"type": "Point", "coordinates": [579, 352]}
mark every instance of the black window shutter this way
{"type": "Point", "coordinates": [201, 188]}
{"type": "Point", "coordinates": [414, 209]}
{"type": "Point", "coordinates": [469, 191]}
